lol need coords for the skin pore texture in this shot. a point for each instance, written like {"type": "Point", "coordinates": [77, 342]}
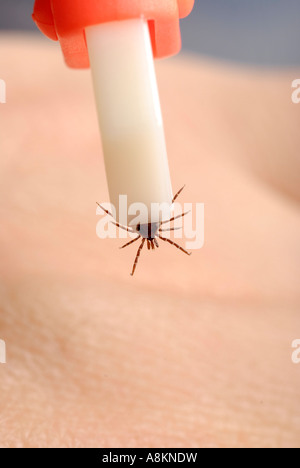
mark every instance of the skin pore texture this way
{"type": "Point", "coordinates": [191, 351]}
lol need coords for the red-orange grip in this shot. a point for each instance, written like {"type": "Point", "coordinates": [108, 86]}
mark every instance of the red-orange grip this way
{"type": "Point", "coordinates": [66, 20]}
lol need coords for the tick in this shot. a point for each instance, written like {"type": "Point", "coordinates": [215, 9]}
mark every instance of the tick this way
{"type": "Point", "coordinates": [150, 232]}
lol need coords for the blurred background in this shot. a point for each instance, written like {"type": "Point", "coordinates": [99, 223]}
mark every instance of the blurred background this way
{"type": "Point", "coordinates": [261, 32]}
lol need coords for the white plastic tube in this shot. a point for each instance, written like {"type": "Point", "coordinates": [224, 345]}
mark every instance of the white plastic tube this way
{"type": "Point", "coordinates": [129, 113]}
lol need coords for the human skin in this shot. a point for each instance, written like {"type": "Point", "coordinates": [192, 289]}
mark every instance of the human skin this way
{"type": "Point", "coordinates": [191, 351]}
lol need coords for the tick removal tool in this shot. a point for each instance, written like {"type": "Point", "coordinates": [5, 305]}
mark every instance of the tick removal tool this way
{"type": "Point", "coordinates": [118, 40]}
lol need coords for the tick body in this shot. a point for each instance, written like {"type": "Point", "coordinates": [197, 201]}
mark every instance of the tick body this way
{"type": "Point", "coordinates": [150, 233]}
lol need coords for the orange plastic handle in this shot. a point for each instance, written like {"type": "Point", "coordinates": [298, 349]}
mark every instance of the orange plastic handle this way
{"type": "Point", "coordinates": [66, 20]}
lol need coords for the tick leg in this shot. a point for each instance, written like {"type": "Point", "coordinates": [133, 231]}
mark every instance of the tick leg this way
{"type": "Point", "coordinates": [137, 256]}
{"type": "Point", "coordinates": [114, 222]}
{"type": "Point", "coordinates": [175, 217]}
{"type": "Point", "coordinates": [156, 243]}
{"type": "Point", "coordinates": [178, 193]}
{"type": "Point", "coordinates": [170, 229]}
{"type": "Point", "coordinates": [152, 244]}
{"type": "Point", "coordinates": [125, 228]}
{"type": "Point", "coordinates": [105, 211]}
{"type": "Point", "coordinates": [131, 242]}
{"type": "Point", "coordinates": [176, 245]}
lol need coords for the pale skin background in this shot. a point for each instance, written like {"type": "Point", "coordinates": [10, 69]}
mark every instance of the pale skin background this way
{"type": "Point", "coordinates": [192, 351]}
